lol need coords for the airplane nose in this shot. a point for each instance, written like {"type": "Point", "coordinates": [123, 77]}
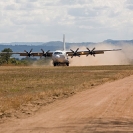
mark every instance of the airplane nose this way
{"type": "Point", "coordinates": [57, 56]}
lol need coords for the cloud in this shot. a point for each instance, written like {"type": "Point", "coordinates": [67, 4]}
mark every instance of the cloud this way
{"type": "Point", "coordinates": [80, 20]}
{"type": "Point", "coordinates": [129, 1]}
{"type": "Point", "coordinates": [129, 4]}
{"type": "Point", "coordinates": [74, 2]}
{"type": "Point", "coordinates": [82, 12]}
{"type": "Point", "coordinates": [24, 1]}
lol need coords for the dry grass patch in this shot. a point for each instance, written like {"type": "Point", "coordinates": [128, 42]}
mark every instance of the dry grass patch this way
{"type": "Point", "coordinates": [21, 85]}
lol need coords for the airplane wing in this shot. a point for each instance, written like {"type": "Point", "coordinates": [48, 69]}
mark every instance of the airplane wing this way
{"type": "Point", "coordinates": [35, 54]}
{"type": "Point", "coordinates": [25, 53]}
{"type": "Point", "coordinates": [87, 52]}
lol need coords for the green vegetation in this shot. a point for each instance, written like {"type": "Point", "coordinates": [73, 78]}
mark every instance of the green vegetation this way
{"type": "Point", "coordinates": [6, 59]}
{"type": "Point", "coordinates": [21, 85]}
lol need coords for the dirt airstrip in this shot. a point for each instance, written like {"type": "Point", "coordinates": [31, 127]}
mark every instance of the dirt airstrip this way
{"type": "Point", "coordinates": [105, 108]}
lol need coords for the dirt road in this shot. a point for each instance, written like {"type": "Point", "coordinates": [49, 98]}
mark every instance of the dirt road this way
{"type": "Point", "coordinates": [106, 108]}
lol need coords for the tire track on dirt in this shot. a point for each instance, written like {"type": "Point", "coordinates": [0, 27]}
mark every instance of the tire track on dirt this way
{"type": "Point", "coordinates": [108, 105]}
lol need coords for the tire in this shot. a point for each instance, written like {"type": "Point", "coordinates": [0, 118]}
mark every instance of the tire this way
{"type": "Point", "coordinates": [67, 64]}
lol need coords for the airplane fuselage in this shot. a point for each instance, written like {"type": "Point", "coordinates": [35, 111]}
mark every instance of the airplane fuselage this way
{"type": "Point", "coordinates": [60, 57]}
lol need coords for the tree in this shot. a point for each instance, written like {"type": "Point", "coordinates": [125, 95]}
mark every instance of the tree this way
{"type": "Point", "coordinates": [5, 57]}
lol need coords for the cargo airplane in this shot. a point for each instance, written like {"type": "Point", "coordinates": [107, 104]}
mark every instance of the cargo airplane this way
{"type": "Point", "coordinates": [60, 57]}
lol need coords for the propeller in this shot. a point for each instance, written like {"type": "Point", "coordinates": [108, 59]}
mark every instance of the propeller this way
{"type": "Point", "coordinates": [29, 53]}
{"type": "Point", "coordinates": [75, 53]}
{"type": "Point", "coordinates": [45, 54]}
{"type": "Point", "coordinates": [91, 52]}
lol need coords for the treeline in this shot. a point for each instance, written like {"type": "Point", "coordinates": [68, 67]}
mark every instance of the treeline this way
{"type": "Point", "coordinates": [7, 59]}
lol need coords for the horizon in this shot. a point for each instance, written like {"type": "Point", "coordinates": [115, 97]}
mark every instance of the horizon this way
{"type": "Point", "coordinates": [62, 42]}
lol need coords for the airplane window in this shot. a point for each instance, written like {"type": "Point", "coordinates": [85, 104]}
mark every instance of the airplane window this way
{"type": "Point", "coordinates": [57, 53]}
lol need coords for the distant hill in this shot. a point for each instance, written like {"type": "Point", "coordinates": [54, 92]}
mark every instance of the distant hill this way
{"type": "Point", "coordinates": [53, 45]}
{"type": "Point", "coordinates": [37, 46]}
{"type": "Point", "coordinates": [118, 41]}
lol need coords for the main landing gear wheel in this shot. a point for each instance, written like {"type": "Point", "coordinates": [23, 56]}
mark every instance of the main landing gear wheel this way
{"type": "Point", "coordinates": [67, 64]}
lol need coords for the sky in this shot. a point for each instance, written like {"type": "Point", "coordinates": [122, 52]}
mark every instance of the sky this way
{"type": "Point", "coordinates": [79, 20]}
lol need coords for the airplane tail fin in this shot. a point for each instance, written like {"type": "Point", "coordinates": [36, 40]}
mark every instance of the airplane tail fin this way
{"type": "Point", "coordinates": [64, 48]}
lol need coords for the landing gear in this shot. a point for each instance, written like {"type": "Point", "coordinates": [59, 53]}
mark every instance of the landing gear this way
{"type": "Point", "coordinates": [55, 64]}
{"type": "Point", "coordinates": [60, 64]}
{"type": "Point", "coordinates": [67, 64]}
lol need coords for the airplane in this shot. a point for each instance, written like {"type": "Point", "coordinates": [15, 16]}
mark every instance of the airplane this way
{"type": "Point", "coordinates": [60, 57]}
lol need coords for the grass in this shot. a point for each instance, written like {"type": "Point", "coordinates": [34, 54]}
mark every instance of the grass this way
{"type": "Point", "coordinates": [21, 85]}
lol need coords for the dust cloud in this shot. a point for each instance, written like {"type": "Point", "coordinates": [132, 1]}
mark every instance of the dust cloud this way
{"type": "Point", "coordinates": [122, 57]}
{"type": "Point", "coordinates": [42, 62]}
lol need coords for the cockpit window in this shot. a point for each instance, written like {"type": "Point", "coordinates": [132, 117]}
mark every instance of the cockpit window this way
{"type": "Point", "coordinates": [57, 53]}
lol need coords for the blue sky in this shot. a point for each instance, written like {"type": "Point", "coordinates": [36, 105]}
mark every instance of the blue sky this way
{"type": "Point", "coordinates": [79, 20]}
